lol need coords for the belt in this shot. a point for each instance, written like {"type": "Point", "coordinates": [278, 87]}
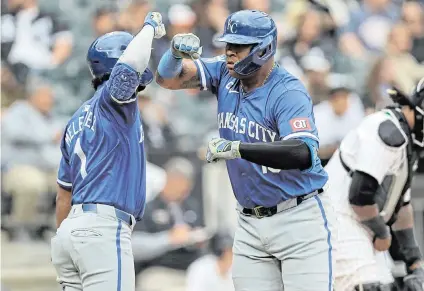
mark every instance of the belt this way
{"type": "Point", "coordinates": [261, 211]}
{"type": "Point", "coordinates": [121, 215]}
{"type": "Point", "coordinates": [345, 166]}
{"type": "Point", "coordinates": [375, 287]}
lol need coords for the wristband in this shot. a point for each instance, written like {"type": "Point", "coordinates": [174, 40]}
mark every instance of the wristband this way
{"type": "Point", "coordinates": [378, 226]}
{"type": "Point", "coordinates": [170, 66]}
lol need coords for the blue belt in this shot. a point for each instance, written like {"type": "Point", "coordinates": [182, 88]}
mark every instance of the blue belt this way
{"type": "Point", "coordinates": [122, 215]}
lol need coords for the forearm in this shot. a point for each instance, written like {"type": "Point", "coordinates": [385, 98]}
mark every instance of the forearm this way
{"type": "Point", "coordinates": [174, 73]}
{"type": "Point", "coordinates": [404, 233]}
{"type": "Point", "coordinates": [63, 205]}
{"type": "Point", "coordinates": [147, 246]}
{"type": "Point", "coordinates": [137, 54]}
{"type": "Point", "coordinates": [284, 154]}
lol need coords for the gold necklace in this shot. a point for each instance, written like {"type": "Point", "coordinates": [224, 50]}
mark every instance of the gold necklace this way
{"type": "Point", "coordinates": [266, 78]}
{"type": "Point", "coordinates": [269, 73]}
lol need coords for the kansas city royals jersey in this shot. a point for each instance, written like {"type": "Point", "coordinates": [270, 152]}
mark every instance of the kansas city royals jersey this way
{"type": "Point", "coordinates": [281, 109]}
{"type": "Point", "coordinates": [103, 157]}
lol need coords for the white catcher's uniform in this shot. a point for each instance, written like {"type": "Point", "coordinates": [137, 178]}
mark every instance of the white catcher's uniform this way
{"type": "Point", "coordinates": [363, 149]}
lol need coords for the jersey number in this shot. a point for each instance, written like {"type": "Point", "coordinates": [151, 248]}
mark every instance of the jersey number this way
{"type": "Point", "coordinates": [272, 170]}
{"type": "Point", "coordinates": [79, 152]}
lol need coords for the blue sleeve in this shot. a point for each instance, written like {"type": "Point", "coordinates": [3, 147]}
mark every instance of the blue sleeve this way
{"type": "Point", "coordinates": [313, 148]}
{"type": "Point", "coordinates": [209, 71]}
{"type": "Point", "coordinates": [118, 99]}
{"type": "Point", "coordinates": [64, 179]}
{"type": "Point", "coordinates": [293, 116]}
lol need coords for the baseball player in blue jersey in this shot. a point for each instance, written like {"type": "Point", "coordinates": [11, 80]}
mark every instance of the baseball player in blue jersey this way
{"type": "Point", "coordinates": [102, 172]}
{"type": "Point", "coordinates": [268, 138]}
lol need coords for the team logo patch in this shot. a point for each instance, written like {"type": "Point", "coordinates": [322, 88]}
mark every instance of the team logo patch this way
{"type": "Point", "coordinates": [298, 124]}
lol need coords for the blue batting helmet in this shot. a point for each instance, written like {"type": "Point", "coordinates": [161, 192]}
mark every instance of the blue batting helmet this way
{"type": "Point", "coordinates": [251, 27]}
{"type": "Point", "coordinates": [105, 51]}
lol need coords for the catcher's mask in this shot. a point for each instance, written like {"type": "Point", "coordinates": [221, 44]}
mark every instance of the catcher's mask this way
{"type": "Point", "coordinates": [414, 101]}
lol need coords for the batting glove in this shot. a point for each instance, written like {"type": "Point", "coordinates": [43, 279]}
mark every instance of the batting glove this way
{"type": "Point", "coordinates": [186, 46]}
{"type": "Point", "coordinates": [414, 281]}
{"type": "Point", "coordinates": [222, 149]}
{"type": "Point", "coordinates": [154, 19]}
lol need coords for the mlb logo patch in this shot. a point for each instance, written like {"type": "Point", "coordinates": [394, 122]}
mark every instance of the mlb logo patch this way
{"type": "Point", "coordinates": [298, 124]}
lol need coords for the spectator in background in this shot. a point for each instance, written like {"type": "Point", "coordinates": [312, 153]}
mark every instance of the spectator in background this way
{"type": "Point", "coordinates": [213, 272]}
{"type": "Point", "coordinates": [211, 16]}
{"type": "Point", "coordinates": [413, 16]}
{"type": "Point", "coordinates": [381, 78]}
{"type": "Point", "coordinates": [158, 134]}
{"type": "Point", "coordinates": [368, 28]}
{"type": "Point", "coordinates": [40, 40]}
{"type": "Point", "coordinates": [335, 117]}
{"type": "Point", "coordinates": [132, 18]}
{"type": "Point", "coordinates": [408, 71]}
{"type": "Point", "coordinates": [309, 36]}
{"type": "Point", "coordinates": [182, 19]}
{"type": "Point", "coordinates": [105, 20]}
{"type": "Point", "coordinates": [165, 241]}
{"type": "Point", "coordinates": [30, 151]}
{"type": "Point", "coordinates": [317, 69]}
{"type": "Point", "coordinates": [263, 5]}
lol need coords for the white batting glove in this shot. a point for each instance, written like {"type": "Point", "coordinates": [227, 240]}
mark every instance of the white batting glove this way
{"type": "Point", "coordinates": [155, 20]}
{"type": "Point", "coordinates": [222, 149]}
{"type": "Point", "coordinates": [186, 46]}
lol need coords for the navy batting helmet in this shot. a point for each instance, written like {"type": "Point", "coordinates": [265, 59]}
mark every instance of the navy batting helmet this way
{"type": "Point", "coordinates": [415, 101]}
{"type": "Point", "coordinates": [105, 51]}
{"type": "Point", "coordinates": [251, 27]}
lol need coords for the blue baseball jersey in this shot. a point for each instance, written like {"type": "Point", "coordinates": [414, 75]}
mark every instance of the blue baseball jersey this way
{"type": "Point", "coordinates": [281, 109]}
{"type": "Point", "coordinates": [103, 158]}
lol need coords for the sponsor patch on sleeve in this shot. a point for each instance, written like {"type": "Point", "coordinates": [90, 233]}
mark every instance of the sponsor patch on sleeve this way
{"type": "Point", "coordinates": [300, 124]}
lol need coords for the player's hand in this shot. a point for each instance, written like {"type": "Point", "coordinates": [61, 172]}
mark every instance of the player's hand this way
{"type": "Point", "coordinates": [186, 46]}
{"type": "Point", "coordinates": [155, 20]}
{"type": "Point", "coordinates": [382, 244]}
{"type": "Point", "coordinates": [180, 235]}
{"type": "Point", "coordinates": [222, 149]}
{"type": "Point", "coordinates": [414, 281]}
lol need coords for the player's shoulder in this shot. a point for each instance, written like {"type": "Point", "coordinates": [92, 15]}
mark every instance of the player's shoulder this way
{"type": "Point", "coordinates": [284, 83]}
{"type": "Point", "coordinates": [385, 127]}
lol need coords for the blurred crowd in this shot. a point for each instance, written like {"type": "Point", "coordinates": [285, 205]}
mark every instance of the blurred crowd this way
{"type": "Point", "coordinates": [346, 52]}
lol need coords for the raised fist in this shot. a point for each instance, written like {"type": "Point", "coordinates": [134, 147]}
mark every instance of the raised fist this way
{"type": "Point", "coordinates": [155, 20]}
{"type": "Point", "coordinates": [186, 46]}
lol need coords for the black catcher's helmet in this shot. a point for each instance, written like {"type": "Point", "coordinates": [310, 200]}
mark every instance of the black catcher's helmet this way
{"type": "Point", "coordinates": [415, 101]}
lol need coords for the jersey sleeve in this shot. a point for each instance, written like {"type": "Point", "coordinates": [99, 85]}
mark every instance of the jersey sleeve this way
{"type": "Point", "coordinates": [294, 117]}
{"type": "Point", "coordinates": [118, 99]}
{"type": "Point", "coordinates": [209, 72]}
{"type": "Point", "coordinates": [374, 157]}
{"type": "Point", "coordinates": [64, 179]}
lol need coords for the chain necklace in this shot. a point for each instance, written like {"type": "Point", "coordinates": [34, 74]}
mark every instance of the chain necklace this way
{"type": "Point", "coordinates": [269, 73]}
{"type": "Point", "coordinates": [266, 78]}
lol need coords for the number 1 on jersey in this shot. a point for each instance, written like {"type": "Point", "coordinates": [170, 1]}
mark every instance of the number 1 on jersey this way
{"type": "Point", "coordinates": [79, 152]}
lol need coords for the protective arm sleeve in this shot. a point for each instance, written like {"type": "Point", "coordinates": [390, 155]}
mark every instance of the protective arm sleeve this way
{"type": "Point", "coordinates": [284, 154]}
{"type": "Point", "coordinates": [137, 54]}
{"type": "Point", "coordinates": [362, 189]}
{"type": "Point", "coordinates": [362, 195]}
{"type": "Point", "coordinates": [408, 247]}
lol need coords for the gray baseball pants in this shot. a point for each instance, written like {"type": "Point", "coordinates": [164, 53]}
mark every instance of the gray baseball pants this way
{"type": "Point", "coordinates": [291, 250]}
{"type": "Point", "coordinates": [92, 251]}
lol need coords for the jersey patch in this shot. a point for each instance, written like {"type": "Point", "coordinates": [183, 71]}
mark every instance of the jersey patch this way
{"type": "Point", "coordinates": [390, 134]}
{"type": "Point", "coordinates": [298, 124]}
